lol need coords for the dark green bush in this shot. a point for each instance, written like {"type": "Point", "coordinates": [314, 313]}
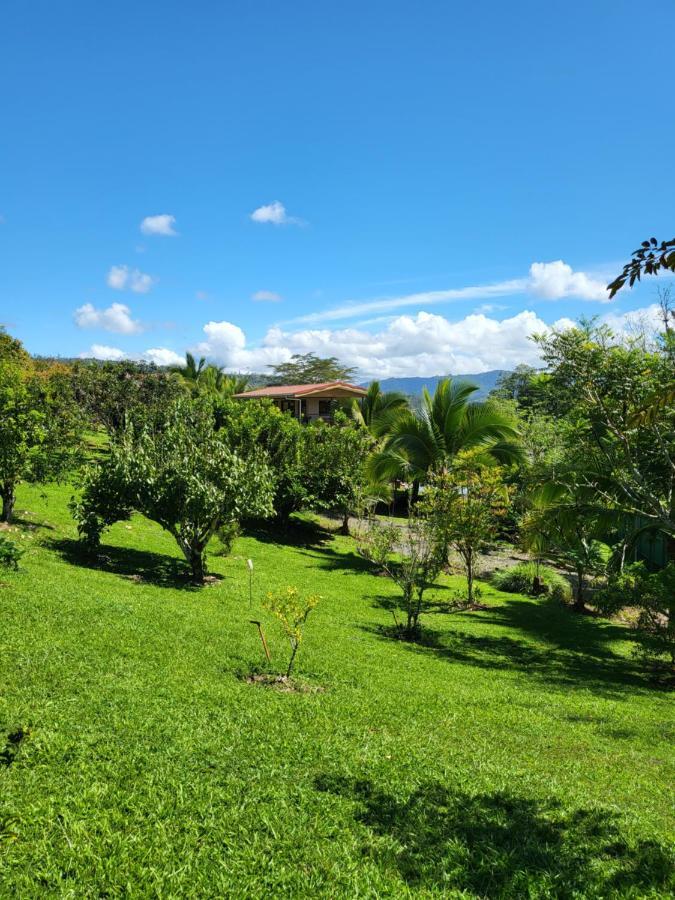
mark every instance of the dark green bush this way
{"type": "Point", "coordinates": [521, 580]}
{"type": "Point", "coordinates": [10, 554]}
{"type": "Point", "coordinates": [652, 595]}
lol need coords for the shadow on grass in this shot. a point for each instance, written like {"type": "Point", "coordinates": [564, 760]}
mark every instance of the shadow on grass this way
{"type": "Point", "coordinates": [498, 845]}
{"type": "Point", "coordinates": [335, 561]}
{"type": "Point", "coordinates": [576, 653]}
{"type": "Point", "coordinates": [31, 525]}
{"type": "Point", "coordinates": [296, 533]}
{"type": "Point", "coordinates": [142, 566]}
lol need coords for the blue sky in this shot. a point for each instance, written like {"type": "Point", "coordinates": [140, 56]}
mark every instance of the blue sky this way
{"type": "Point", "coordinates": [422, 156]}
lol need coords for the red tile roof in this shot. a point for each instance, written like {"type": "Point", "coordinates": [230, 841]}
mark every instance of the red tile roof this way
{"type": "Point", "coordinates": [302, 390]}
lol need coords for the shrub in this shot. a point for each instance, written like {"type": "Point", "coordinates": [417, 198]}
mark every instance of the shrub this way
{"type": "Point", "coordinates": [412, 556]}
{"type": "Point", "coordinates": [521, 580]}
{"type": "Point", "coordinates": [10, 554]}
{"type": "Point", "coordinates": [653, 595]}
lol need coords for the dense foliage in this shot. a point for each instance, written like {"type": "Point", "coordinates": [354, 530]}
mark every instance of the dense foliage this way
{"type": "Point", "coordinates": [40, 425]}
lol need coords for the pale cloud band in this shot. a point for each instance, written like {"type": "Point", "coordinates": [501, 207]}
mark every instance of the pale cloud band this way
{"type": "Point", "coordinates": [424, 344]}
{"type": "Point", "coordinates": [546, 281]}
{"type": "Point", "coordinates": [266, 297]}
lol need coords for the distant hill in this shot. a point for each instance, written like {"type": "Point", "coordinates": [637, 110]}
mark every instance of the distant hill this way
{"type": "Point", "coordinates": [485, 381]}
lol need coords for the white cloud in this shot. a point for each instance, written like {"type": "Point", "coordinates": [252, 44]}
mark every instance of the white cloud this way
{"type": "Point", "coordinates": [551, 281]}
{"type": "Point", "coordinates": [117, 318]}
{"type": "Point", "coordinates": [555, 280]}
{"type": "Point", "coordinates": [117, 277]}
{"type": "Point", "coordinates": [101, 351]}
{"type": "Point", "coordinates": [162, 224]}
{"type": "Point", "coordinates": [160, 356]}
{"type": "Point", "coordinates": [424, 344]}
{"type": "Point", "coordinates": [266, 297]}
{"type": "Point", "coordinates": [274, 214]}
{"type": "Point", "coordinates": [122, 278]}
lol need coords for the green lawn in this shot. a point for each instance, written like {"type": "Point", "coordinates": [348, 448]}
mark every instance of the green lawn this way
{"type": "Point", "coordinates": [518, 753]}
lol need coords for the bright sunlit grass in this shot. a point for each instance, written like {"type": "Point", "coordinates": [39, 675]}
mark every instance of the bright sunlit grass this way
{"type": "Point", "coordinates": [518, 751]}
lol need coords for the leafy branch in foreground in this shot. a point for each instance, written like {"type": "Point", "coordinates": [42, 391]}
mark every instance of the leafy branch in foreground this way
{"type": "Point", "coordinates": [650, 258]}
{"type": "Point", "coordinates": [182, 476]}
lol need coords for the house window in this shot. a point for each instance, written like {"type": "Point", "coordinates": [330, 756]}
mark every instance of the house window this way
{"type": "Point", "coordinates": [325, 407]}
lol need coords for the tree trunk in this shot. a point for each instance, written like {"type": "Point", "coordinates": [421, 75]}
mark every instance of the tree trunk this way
{"type": "Point", "coordinates": [197, 565]}
{"type": "Point", "coordinates": [8, 499]}
{"type": "Point", "coordinates": [294, 650]}
{"type": "Point", "coordinates": [579, 605]}
{"type": "Point", "coordinates": [469, 575]}
{"type": "Point", "coordinates": [344, 529]}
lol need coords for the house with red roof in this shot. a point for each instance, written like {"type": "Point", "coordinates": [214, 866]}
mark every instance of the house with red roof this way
{"type": "Point", "coordinates": [307, 402]}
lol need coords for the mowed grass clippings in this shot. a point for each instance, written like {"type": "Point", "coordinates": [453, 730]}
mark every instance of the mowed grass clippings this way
{"type": "Point", "coordinates": [517, 751]}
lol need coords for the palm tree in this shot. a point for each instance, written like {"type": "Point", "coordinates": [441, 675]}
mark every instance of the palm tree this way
{"type": "Point", "coordinates": [377, 410]}
{"type": "Point", "coordinates": [201, 376]}
{"type": "Point", "coordinates": [426, 441]}
{"type": "Point", "coordinates": [191, 372]}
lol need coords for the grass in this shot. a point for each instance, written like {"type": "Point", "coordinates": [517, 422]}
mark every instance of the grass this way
{"type": "Point", "coordinates": [518, 751]}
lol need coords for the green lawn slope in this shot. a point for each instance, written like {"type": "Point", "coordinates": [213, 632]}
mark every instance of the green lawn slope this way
{"type": "Point", "coordinates": [518, 752]}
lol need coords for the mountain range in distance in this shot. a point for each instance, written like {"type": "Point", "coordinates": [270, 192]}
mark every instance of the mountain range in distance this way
{"type": "Point", "coordinates": [484, 381]}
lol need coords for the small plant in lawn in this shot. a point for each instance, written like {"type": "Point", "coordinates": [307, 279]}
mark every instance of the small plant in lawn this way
{"type": "Point", "coordinates": [465, 504]}
{"type": "Point", "coordinates": [10, 554]}
{"type": "Point", "coordinates": [412, 556]}
{"type": "Point", "coordinates": [291, 608]}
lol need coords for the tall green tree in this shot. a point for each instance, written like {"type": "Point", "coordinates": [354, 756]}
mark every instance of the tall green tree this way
{"type": "Point", "coordinates": [182, 475]}
{"type": "Point", "coordinates": [335, 458]}
{"type": "Point", "coordinates": [112, 394]}
{"type": "Point", "coordinates": [426, 441]}
{"type": "Point", "coordinates": [621, 417]}
{"type": "Point", "coordinates": [308, 368]}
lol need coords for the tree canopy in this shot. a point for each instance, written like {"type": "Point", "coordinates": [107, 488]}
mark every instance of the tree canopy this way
{"type": "Point", "coordinates": [308, 368]}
